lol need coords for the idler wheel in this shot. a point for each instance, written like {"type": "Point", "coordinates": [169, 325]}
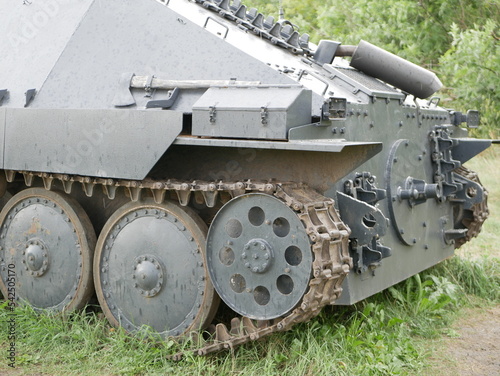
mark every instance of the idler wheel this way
{"type": "Point", "coordinates": [150, 269]}
{"type": "Point", "coordinates": [259, 256]}
{"type": "Point", "coordinates": [46, 250]}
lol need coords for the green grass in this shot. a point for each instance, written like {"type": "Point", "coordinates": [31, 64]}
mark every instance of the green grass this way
{"type": "Point", "coordinates": [374, 337]}
{"type": "Point", "coordinates": [387, 334]}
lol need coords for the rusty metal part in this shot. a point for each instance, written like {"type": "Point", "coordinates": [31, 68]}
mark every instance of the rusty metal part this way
{"type": "Point", "coordinates": [329, 238]}
{"type": "Point", "coordinates": [472, 219]}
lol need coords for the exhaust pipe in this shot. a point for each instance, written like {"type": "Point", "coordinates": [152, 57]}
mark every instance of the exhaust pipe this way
{"type": "Point", "coordinates": [394, 70]}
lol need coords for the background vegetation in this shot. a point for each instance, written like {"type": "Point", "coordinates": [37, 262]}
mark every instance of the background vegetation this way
{"type": "Point", "coordinates": [458, 39]}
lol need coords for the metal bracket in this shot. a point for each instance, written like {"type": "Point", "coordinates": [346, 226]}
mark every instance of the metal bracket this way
{"type": "Point", "coordinates": [471, 194]}
{"type": "Point", "coordinates": [30, 95]}
{"type": "Point", "coordinates": [363, 188]}
{"type": "Point", "coordinates": [212, 114]}
{"type": "Point", "coordinates": [4, 93]}
{"type": "Point", "coordinates": [148, 87]}
{"type": "Point", "coordinates": [219, 23]}
{"type": "Point", "coordinates": [442, 146]}
{"type": "Point", "coordinates": [165, 103]}
{"type": "Point", "coordinates": [368, 224]}
{"type": "Point", "coordinates": [434, 101]}
{"type": "Point", "coordinates": [263, 115]}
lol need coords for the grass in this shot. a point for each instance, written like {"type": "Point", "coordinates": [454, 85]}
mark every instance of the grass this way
{"type": "Point", "coordinates": [387, 334]}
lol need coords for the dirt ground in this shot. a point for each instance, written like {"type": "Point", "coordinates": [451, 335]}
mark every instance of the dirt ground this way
{"type": "Point", "coordinates": [472, 346]}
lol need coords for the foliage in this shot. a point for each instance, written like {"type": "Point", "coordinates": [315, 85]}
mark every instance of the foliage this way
{"type": "Point", "coordinates": [471, 69]}
{"type": "Point", "coordinates": [479, 277]}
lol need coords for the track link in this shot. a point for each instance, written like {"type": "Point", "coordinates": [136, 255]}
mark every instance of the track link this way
{"type": "Point", "coordinates": [328, 235]}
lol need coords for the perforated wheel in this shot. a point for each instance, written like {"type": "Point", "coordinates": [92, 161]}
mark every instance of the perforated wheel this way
{"type": "Point", "coordinates": [259, 256]}
{"type": "Point", "coordinates": [150, 269]}
{"type": "Point", "coordinates": [46, 249]}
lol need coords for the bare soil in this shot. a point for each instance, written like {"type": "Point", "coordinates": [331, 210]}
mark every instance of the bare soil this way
{"type": "Point", "coordinates": [472, 346]}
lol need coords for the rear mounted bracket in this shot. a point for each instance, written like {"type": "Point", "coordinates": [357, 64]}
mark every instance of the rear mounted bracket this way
{"type": "Point", "coordinates": [471, 118]}
{"type": "Point", "coordinates": [367, 223]}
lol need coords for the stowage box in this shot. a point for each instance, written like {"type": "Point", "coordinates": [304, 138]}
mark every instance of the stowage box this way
{"type": "Point", "coordinates": [264, 112]}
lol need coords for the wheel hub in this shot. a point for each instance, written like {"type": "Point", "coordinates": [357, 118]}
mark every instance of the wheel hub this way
{"type": "Point", "coordinates": [148, 274]}
{"type": "Point", "coordinates": [36, 258]}
{"type": "Point", "coordinates": [257, 255]}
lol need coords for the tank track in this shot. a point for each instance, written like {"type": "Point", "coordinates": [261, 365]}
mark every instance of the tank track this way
{"type": "Point", "coordinates": [473, 219]}
{"type": "Point", "coordinates": [328, 235]}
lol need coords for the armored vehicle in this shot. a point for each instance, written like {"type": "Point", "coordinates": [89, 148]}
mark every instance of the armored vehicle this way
{"type": "Point", "coordinates": [166, 155]}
